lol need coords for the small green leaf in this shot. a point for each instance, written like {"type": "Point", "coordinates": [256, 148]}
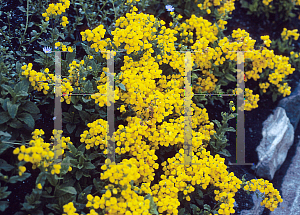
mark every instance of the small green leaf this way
{"type": "Point", "coordinates": [4, 117]}
{"type": "Point", "coordinates": [274, 97]}
{"type": "Point", "coordinates": [22, 86]}
{"type": "Point", "coordinates": [153, 206]}
{"type": "Point", "coordinates": [9, 89]}
{"type": "Point", "coordinates": [3, 205]}
{"type": "Point", "coordinates": [72, 149]}
{"type": "Point", "coordinates": [78, 174]}
{"type": "Point", "coordinates": [69, 189]}
{"type": "Point", "coordinates": [70, 127]}
{"type": "Point", "coordinates": [16, 178]}
{"type": "Point", "coordinates": [78, 107]}
{"type": "Point", "coordinates": [230, 129]}
{"type": "Point", "coordinates": [27, 119]}
{"type": "Point", "coordinates": [230, 77]}
{"type": "Point", "coordinates": [30, 107]}
{"type": "Point", "coordinates": [70, 57]}
{"type": "Point", "coordinates": [122, 86]}
{"type": "Point", "coordinates": [89, 165]}
{"type": "Point", "coordinates": [181, 211]}
{"type": "Point", "coordinates": [12, 109]}
{"type": "Point", "coordinates": [225, 152]}
{"type": "Point", "coordinates": [5, 166]}
{"type": "Point", "coordinates": [15, 123]}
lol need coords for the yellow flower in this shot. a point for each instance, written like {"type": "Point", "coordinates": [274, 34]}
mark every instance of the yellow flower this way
{"type": "Point", "coordinates": [57, 44]}
{"type": "Point", "coordinates": [39, 186]}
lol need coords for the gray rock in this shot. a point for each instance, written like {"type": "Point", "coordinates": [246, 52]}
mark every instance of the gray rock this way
{"type": "Point", "coordinates": [257, 208]}
{"type": "Point", "coordinates": [278, 136]}
{"type": "Point", "coordinates": [290, 189]}
{"type": "Point", "coordinates": [291, 104]}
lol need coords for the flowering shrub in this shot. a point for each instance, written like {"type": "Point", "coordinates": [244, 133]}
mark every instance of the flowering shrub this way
{"type": "Point", "coordinates": [282, 10]}
{"type": "Point", "coordinates": [149, 174]}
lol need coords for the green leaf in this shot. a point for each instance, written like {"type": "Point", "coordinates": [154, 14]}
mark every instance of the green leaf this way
{"type": "Point", "coordinates": [78, 107]}
{"type": "Point", "coordinates": [15, 123]}
{"type": "Point", "coordinates": [65, 165]}
{"type": "Point", "coordinates": [9, 89]}
{"type": "Point", "coordinates": [69, 189]}
{"type": "Point", "coordinates": [230, 129]}
{"type": "Point", "coordinates": [51, 179]}
{"type": "Point", "coordinates": [4, 117]}
{"type": "Point", "coordinates": [70, 57]}
{"type": "Point", "coordinates": [22, 86]}
{"type": "Point", "coordinates": [230, 77]}
{"type": "Point", "coordinates": [72, 149]}
{"type": "Point", "coordinates": [70, 127]}
{"type": "Point", "coordinates": [30, 107]}
{"type": "Point", "coordinates": [16, 178]}
{"type": "Point", "coordinates": [3, 205]}
{"type": "Point", "coordinates": [27, 119]}
{"type": "Point", "coordinates": [41, 178]}
{"type": "Point", "coordinates": [88, 87]}
{"type": "Point", "coordinates": [122, 86]}
{"type": "Point", "coordinates": [5, 166]}
{"type": "Point", "coordinates": [181, 211]}
{"type": "Point", "coordinates": [200, 193]}
{"type": "Point", "coordinates": [78, 174]}
{"type": "Point", "coordinates": [153, 206]}
{"type": "Point", "coordinates": [274, 97]}
{"type": "Point", "coordinates": [207, 207]}
{"type": "Point", "coordinates": [89, 165]}
{"type": "Point", "coordinates": [217, 122]}
{"type": "Point", "coordinates": [292, 14]}
{"type": "Point", "coordinates": [225, 152]}
{"type": "Point", "coordinates": [12, 109]}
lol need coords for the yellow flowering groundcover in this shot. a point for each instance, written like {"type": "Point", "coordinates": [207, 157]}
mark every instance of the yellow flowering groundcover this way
{"type": "Point", "coordinates": [149, 174]}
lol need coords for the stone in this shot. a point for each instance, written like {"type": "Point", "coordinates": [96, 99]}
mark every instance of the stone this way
{"type": "Point", "coordinates": [291, 104]}
{"type": "Point", "coordinates": [290, 188]}
{"type": "Point", "coordinates": [278, 136]}
{"type": "Point", "coordinates": [257, 209]}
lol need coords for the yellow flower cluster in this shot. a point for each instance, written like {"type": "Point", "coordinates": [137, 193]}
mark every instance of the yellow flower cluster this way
{"type": "Point", "coordinates": [135, 32]}
{"type": "Point", "coordinates": [206, 83]}
{"type": "Point", "coordinates": [223, 7]}
{"type": "Point", "coordinates": [250, 100]}
{"type": "Point", "coordinates": [37, 79]}
{"type": "Point", "coordinates": [284, 89]}
{"type": "Point", "coordinates": [120, 196]}
{"type": "Point", "coordinates": [259, 60]}
{"type": "Point", "coordinates": [185, 178]}
{"type": "Point", "coordinates": [96, 135]}
{"type": "Point", "coordinates": [271, 195]}
{"type": "Point", "coordinates": [67, 89]}
{"type": "Point", "coordinates": [64, 21]}
{"type": "Point", "coordinates": [264, 86]}
{"type": "Point", "coordinates": [286, 34]}
{"type": "Point", "coordinates": [69, 209]}
{"type": "Point", "coordinates": [56, 9]}
{"type": "Point", "coordinates": [266, 40]}
{"type": "Point", "coordinates": [41, 154]}
{"type": "Point", "coordinates": [96, 36]}
{"type": "Point", "coordinates": [63, 47]}
{"type": "Point", "coordinates": [267, 2]}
